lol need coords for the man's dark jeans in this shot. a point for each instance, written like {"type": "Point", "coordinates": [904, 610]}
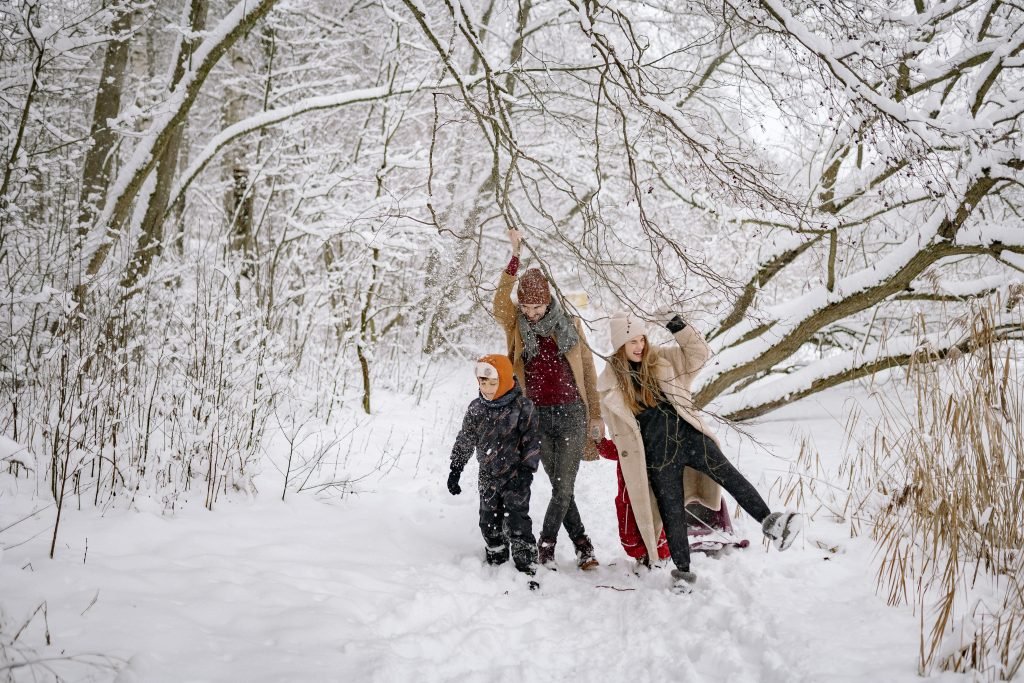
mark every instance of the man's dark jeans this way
{"type": "Point", "coordinates": [563, 430]}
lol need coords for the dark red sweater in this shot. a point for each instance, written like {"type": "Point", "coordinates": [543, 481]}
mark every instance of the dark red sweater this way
{"type": "Point", "coordinates": [549, 380]}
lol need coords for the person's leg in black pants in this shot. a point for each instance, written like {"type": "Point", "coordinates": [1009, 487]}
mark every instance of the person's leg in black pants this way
{"type": "Point", "coordinates": [516, 501]}
{"type": "Point", "coordinates": [492, 517]}
{"type": "Point", "coordinates": [670, 444]}
{"type": "Point", "coordinates": [704, 455]}
{"type": "Point", "coordinates": [563, 435]}
{"type": "Point", "coordinates": [665, 473]}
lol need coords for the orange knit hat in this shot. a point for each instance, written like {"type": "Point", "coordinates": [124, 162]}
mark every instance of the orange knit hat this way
{"type": "Point", "coordinates": [499, 366]}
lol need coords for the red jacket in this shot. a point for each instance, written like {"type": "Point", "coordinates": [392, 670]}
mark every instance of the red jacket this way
{"type": "Point", "coordinates": [629, 532]}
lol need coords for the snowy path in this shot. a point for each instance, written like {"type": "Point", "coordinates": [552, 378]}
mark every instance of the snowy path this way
{"type": "Point", "coordinates": [388, 585]}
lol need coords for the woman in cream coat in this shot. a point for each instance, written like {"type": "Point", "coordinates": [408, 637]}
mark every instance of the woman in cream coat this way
{"type": "Point", "coordinates": [668, 455]}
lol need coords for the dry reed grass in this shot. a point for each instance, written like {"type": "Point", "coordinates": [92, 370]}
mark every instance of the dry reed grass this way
{"type": "Point", "coordinates": [936, 481]}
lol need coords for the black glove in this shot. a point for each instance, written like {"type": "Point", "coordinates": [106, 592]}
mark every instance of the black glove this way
{"type": "Point", "coordinates": [453, 483]}
{"type": "Point", "coordinates": [675, 324]}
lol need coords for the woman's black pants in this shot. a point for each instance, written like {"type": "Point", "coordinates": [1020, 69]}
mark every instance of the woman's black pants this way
{"type": "Point", "coordinates": [670, 444]}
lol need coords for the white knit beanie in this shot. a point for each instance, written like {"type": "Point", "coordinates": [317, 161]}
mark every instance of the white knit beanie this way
{"type": "Point", "coordinates": [623, 326]}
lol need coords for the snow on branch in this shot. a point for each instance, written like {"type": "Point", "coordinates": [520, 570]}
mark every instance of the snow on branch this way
{"type": "Point", "coordinates": [946, 290]}
{"type": "Point", "coordinates": [754, 347]}
{"type": "Point", "coordinates": [990, 233]}
{"type": "Point", "coordinates": [925, 127]}
{"type": "Point", "coordinates": [774, 392]}
{"type": "Point", "coordinates": [124, 190]}
{"type": "Point", "coordinates": [281, 114]}
{"type": "Point", "coordinates": [788, 316]}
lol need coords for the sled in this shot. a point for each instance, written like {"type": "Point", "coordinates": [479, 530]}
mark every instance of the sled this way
{"type": "Point", "coordinates": [710, 531]}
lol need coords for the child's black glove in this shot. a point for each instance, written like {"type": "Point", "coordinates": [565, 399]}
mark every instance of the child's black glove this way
{"type": "Point", "coordinates": [453, 483]}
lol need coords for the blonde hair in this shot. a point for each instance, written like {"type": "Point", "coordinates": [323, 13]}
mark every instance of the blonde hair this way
{"type": "Point", "coordinates": [648, 393]}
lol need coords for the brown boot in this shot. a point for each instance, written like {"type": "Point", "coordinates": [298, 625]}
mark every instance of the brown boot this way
{"type": "Point", "coordinates": [546, 553]}
{"type": "Point", "coordinates": [585, 554]}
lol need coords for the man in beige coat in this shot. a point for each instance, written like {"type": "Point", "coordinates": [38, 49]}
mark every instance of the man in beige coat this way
{"type": "Point", "coordinates": [668, 455]}
{"type": "Point", "coordinates": [553, 363]}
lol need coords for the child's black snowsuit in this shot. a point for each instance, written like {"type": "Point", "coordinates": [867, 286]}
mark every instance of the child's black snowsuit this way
{"type": "Point", "coordinates": [505, 434]}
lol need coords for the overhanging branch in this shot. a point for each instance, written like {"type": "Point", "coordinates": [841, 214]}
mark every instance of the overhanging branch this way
{"type": "Point", "coordinates": [755, 401]}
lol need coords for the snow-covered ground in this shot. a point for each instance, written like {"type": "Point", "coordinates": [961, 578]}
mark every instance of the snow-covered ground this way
{"type": "Point", "coordinates": [388, 583]}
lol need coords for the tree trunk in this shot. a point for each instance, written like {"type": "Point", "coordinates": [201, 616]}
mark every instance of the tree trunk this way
{"type": "Point", "coordinates": [367, 333]}
{"type": "Point", "coordinates": [146, 155]}
{"type": "Point", "coordinates": [19, 138]}
{"type": "Point", "coordinates": [238, 198]}
{"type": "Point", "coordinates": [150, 242]}
{"type": "Point", "coordinates": [99, 158]}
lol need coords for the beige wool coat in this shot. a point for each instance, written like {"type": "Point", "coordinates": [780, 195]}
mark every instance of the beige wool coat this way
{"type": "Point", "coordinates": [675, 367]}
{"type": "Point", "coordinates": [580, 358]}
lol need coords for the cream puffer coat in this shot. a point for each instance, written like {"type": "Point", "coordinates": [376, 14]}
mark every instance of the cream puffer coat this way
{"type": "Point", "coordinates": [675, 367]}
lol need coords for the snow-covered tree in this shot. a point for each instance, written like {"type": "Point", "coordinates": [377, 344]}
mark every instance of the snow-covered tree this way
{"type": "Point", "coordinates": [323, 189]}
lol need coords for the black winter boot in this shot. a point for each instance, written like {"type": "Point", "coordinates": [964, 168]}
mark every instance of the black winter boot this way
{"type": "Point", "coordinates": [524, 554]}
{"type": "Point", "coordinates": [496, 554]}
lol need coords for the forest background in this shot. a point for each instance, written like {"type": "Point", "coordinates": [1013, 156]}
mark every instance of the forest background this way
{"type": "Point", "coordinates": [226, 224]}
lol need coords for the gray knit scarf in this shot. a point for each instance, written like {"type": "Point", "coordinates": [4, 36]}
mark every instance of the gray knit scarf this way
{"type": "Point", "coordinates": [555, 323]}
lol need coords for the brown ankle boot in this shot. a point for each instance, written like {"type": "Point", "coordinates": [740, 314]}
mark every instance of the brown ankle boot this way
{"type": "Point", "coordinates": [546, 553]}
{"type": "Point", "coordinates": [585, 554]}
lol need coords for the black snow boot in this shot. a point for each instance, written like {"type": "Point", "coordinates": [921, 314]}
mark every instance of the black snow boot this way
{"type": "Point", "coordinates": [530, 569]}
{"type": "Point", "coordinates": [496, 554]}
{"type": "Point", "coordinates": [524, 554]}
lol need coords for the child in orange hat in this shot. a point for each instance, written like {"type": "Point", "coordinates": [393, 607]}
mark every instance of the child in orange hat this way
{"type": "Point", "coordinates": [501, 426]}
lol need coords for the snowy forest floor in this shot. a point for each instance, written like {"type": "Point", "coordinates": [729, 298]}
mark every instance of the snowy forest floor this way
{"type": "Point", "coordinates": [388, 584]}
